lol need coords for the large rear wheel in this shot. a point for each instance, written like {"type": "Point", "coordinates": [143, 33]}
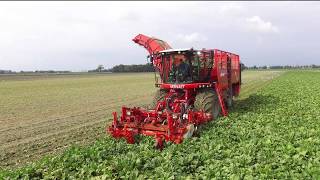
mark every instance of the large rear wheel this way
{"type": "Point", "coordinates": [207, 100]}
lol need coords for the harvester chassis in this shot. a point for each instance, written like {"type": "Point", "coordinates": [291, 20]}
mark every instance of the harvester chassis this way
{"type": "Point", "coordinates": [135, 121]}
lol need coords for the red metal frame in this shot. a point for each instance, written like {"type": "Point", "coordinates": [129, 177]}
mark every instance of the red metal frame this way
{"type": "Point", "coordinates": [152, 44]}
{"type": "Point", "coordinates": [165, 123]}
{"type": "Point", "coordinates": [185, 86]}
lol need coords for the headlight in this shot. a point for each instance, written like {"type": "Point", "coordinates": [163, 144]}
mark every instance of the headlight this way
{"type": "Point", "coordinates": [174, 116]}
{"type": "Point", "coordinates": [185, 116]}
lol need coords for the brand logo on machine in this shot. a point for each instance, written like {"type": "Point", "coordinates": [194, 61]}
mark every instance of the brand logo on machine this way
{"type": "Point", "coordinates": [177, 86]}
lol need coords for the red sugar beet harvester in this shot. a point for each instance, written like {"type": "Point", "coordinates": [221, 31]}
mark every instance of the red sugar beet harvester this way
{"type": "Point", "coordinates": [195, 86]}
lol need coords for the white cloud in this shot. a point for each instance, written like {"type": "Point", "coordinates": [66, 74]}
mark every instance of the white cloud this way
{"type": "Point", "coordinates": [231, 9]}
{"type": "Point", "coordinates": [255, 23]}
{"type": "Point", "coordinates": [192, 38]}
{"type": "Point", "coordinates": [130, 16]}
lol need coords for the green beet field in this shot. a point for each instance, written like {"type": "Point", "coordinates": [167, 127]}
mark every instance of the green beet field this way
{"type": "Point", "coordinates": [273, 133]}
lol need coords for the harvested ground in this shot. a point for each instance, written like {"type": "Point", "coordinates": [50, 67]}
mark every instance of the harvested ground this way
{"type": "Point", "coordinates": [41, 115]}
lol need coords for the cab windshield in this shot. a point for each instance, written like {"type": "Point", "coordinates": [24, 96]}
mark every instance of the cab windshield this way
{"type": "Point", "coordinates": [179, 67]}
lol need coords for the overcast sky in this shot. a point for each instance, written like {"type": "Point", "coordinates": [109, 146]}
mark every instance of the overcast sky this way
{"type": "Point", "coordinates": [80, 35]}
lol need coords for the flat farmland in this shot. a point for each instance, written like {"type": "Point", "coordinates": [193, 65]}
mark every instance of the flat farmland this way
{"type": "Point", "coordinates": [45, 114]}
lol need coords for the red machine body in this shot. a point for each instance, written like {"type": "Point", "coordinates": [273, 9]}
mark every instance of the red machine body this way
{"type": "Point", "coordinates": [186, 99]}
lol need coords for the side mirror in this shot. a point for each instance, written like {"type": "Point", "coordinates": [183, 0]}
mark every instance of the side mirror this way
{"type": "Point", "coordinates": [150, 60]}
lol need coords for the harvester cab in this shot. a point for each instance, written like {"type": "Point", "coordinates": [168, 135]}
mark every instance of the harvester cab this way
{"type": "Point", "coordinates": [195, 86]}
{"type": "Point", "coordinates": [182, 66]}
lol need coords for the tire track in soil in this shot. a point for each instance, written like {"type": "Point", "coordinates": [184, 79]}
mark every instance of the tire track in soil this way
{"type": "Point", "coordinates": [26, 153]}
{"type": "Point", "coordinates": [45, 127]}
{"type": "Point", "coordinates": [41, 121]}
{"type": "Point", "coordinates": [15, 154]}
{"type": "Point", "coordinates": [24, 150]}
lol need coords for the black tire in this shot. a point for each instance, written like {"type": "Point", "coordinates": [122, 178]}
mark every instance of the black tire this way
{"type": "Point", "coordinates": [207, 100]}
{"type": "Point", "coordinates": [159, 96]}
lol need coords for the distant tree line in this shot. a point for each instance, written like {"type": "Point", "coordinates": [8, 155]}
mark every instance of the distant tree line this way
{"type": "Point", "coordinates": [7, 72]}
{"type": "Point", "coordinates": [125, 68]}
{"type": "Point", "coordinates": [149, 68]}
{"type": "Point", "coordinates": [133, 68]}
{"type": "Point", "coordinates": [33, 72]}
{"type": "Point", "coordinates": [51, 71]}
{"type": "Point", "coordinates": [313, 66]}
